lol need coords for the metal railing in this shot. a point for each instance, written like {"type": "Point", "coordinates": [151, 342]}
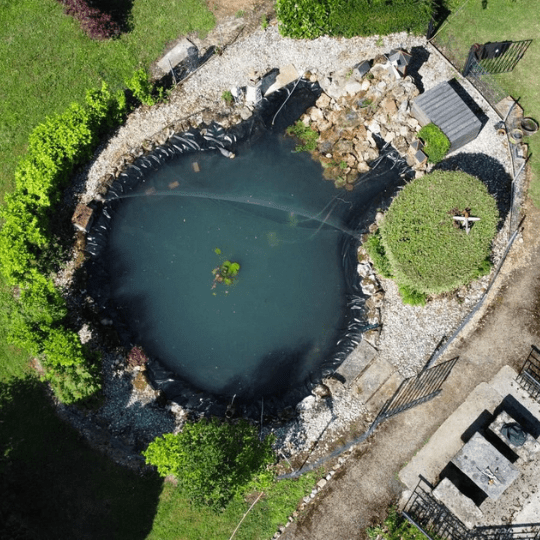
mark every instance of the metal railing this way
{"type": "Point", "coordinates": [529, 376]}
{"type": "Point", "coordinates": [418, 389]}
{"type": "Point", "coordinates": [431, 517]}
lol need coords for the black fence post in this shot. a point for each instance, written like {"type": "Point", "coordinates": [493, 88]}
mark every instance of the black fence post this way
{"type": "Point", "coordinates": [470, 59]}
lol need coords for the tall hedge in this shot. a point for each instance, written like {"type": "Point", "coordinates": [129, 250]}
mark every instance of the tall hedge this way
{"type": "Point", "coordinates": [35, 313]}
{"type": "Point", "coordinates": [310, 19]}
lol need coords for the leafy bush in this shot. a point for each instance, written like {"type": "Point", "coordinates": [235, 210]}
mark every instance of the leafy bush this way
{"type": "Point", "coordinates": [35, 317]}
{"type": "Point", "coordinates": [227, 97]}
{"type": "Point", "coordinates": [143, 89]}
{"type": "Point", "coordinates": [308, 137]}
{"type": "Point", "coordinates": [213, 461]}
{"type": "Point", "coordinates": [395, 528]}
{"type": "Point", "coordinates": [376, 252]}
{"type": "Point", "coordinates": [436, 142]}
{"type": "Point", "coordinates": [95, 23]}
{"type": "Point", "coordinates": [309, 20]}
{"type": "Point", "coordinates": [428, 252]}
{"type": "Point", "coordinates": [412, 297]}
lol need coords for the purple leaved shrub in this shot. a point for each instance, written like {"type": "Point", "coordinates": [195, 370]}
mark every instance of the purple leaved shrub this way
{"type": "Point", "coordinates": [137, 357]}
{"type": "Point", "coordinates": [95, 23]}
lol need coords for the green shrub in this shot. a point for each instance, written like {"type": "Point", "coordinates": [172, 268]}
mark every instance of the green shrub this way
{"type": "Point", "coordinates": [308, 137]}
{"type": "Point", "coordinates": [412, 297]}
{"type": "Point", "coordinates": [143, 89]}
{"type": "Point", "coordinates": [227, 97]}
{"type": "Point", "coordinates": [376, 252]}
{"type": "Point", "coordinates": [435, 141]}
{"type": "Point", "coordinates": [309, 20]}
{"type": "Point", "coordinates": [35, 317]}
{"type": "Point", "coordinates": [428, 252]}
{"type": "Point", "coordinates": [395, 527]}
{"type": "Point", "coordinates": [213, 461]}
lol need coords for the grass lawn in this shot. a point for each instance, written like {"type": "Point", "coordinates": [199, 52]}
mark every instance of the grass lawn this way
{"type": "Point", "coordinates": [503, 20]}
{"type": "Point", "coordinates": [52, 485]}
{"type": "Point", "coordinates": [47, 62]}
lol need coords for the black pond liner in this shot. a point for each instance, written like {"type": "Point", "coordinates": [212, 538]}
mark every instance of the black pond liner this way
{"type": "Point", "coordinates": [274, 114]}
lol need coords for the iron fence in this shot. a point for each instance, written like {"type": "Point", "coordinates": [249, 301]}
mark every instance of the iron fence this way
{"type": "Point", "coordinates": [530, 531]}
{"type": "Point", "coordinates": [529, 376]}
{"type": "Point", "coordinates": [432, 517]}
{"type": "Point", "coordinates": [418, 389]}
{"type": "Point", "coordinates": [435, 521]}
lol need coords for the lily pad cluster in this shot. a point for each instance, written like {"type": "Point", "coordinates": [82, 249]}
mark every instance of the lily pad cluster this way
{"type": "Point", "coordinates": [226, 272]}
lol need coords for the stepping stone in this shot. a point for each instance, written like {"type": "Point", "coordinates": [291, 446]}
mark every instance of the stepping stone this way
{"type": "Point", "coordinates": [82, 218]}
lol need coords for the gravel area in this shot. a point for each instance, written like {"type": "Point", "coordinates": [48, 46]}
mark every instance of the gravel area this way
{"type": "Point", "coordinates": [409, 334]}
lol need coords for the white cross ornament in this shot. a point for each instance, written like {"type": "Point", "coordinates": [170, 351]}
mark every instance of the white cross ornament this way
{"type": "Point", "coordinates": [466, 221]}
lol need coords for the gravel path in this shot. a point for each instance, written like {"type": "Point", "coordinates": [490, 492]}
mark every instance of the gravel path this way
{"type": "Point", "coordinates": [409, 334]}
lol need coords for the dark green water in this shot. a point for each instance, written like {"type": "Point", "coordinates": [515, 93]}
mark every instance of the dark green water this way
{"type": "Point", "coordinates": [265, 210]}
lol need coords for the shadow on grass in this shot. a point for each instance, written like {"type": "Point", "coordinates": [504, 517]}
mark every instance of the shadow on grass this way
{"type": "Point", "coordinates": [52, 485]}
{"type": "Point", "coordinates": [119, 10]}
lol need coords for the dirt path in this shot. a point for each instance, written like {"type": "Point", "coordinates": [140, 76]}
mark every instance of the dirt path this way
{"type": "Point", "coordinates": [360, 493]}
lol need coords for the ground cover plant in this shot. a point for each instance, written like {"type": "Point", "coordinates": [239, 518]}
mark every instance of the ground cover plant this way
{"type": "Point", "coordinates": [423, 247]}
{"type": "Point", "coordinates": [309, 20]}
{"type": "Point", "coordinates": [396, 527]}
{"type": "Point", "coordinates": [96, 23]}
{"type": "Point", "coordinates": [436, 143]}
{"type": "Point", "coordinates": [473, 21]}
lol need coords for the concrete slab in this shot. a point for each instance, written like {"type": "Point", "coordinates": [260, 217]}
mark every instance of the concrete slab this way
{"type": "Point", "coordinates": [384, 393]}
{"type": "Point", "coordinates": [505, 383]}
{"type": "Point", "coordinates": [373, 378]}
{"type": "Point", "coordinates": [357, 362]}
{"type": "Point", "coordinates": [530, 513]}
{"type": "Point", "coordinates": [182, 51]}
{"type": "Point", "coordinates": [286, 75]}
{"type": "Point", "coordinates": [460, 505]}
{"type": "Point", "coordinates": [527, 451]}
{"type": "Point", "coordinates": [446, 442]}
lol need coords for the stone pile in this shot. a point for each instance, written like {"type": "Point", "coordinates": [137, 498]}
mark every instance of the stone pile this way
{"type": "Point", "coordinates": [356, 108]}
{"type": "Point", "coordinates": [372, 288]}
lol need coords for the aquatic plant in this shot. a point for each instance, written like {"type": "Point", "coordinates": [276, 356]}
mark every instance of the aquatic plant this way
{"type": "Point", "coordinates": [225, 273]}
{"type": "Point", "coordinates": [308, 137]}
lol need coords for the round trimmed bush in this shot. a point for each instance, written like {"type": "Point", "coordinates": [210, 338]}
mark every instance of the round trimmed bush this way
{"type": "Point", "coordinates": [428, 252]}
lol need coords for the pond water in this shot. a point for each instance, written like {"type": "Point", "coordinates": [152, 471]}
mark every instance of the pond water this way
{"type": "Point", "coordinates": [269, 210]}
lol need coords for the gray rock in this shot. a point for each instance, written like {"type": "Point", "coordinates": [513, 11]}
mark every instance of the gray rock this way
{"type": "Point", "coordinates": [184, 51]}
{"type": "Point", "coordinates": [364, 270]}
{"type": "Point", "coordinates": [286, 75]}
{"type": "Point", "coordinates": [369, 285]}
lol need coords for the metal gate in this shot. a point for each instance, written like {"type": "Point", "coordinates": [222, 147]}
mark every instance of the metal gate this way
{"type": "Point", "coordinates": [432, 517]}
{"type": "Point", "coordinates": [499, 57]}
{"type": "Point", "coordinates": [416, 390]}
{"type": "Point", "coordinates": [529, 376]}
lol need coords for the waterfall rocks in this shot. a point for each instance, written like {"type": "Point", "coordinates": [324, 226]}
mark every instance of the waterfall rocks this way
{"type": "Point", "coordinates": [357, 106]}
